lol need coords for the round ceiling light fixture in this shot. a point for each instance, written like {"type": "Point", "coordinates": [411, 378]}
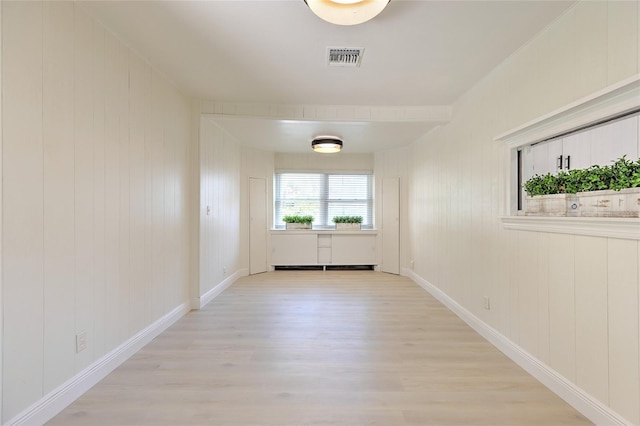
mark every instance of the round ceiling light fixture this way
{"type": "Point", "coordinates": [347, 12]}
{"type": "Point", "coordinates": [326, 144]}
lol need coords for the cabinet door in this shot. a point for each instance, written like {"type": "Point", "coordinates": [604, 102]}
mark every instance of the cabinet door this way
{"type": "Point", "coordinates": [613, 140]}
{"type": "Point", "coordinates": [545, 157]}
{"type": "Point", "coordinates": [294, 249]}
{"type": "Point", "coordinates": [576, 151]}
{"type": "Point", "coordinates": [353, 249]}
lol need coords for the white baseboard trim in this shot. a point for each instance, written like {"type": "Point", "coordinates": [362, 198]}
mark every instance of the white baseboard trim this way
{"type": "Point", "coordinates": [201, 302]}
{"type": "Point", "coordinates": [55, 401]}
{"type": "Point", "coordinates": [590, 407]}
{"type": "Point", "coordinates": [406, 272]}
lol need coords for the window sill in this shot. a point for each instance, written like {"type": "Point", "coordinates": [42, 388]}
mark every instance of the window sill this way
{"type": "Point", "coordinates": [325, 231]}
{"type": "Point", "coordinates": [608, 227]}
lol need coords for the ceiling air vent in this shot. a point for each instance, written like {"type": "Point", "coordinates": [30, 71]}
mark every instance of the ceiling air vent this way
{"type": "Point", "coordinates": [345, 56]}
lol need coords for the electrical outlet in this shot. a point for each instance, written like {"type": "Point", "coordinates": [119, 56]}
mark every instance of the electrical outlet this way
{"type": "Point", "coordinates": [487, 303]}
{"type": "Point", "coordinates": [224, 270]}
{"type": "Point", "coordinates": [81, 341]}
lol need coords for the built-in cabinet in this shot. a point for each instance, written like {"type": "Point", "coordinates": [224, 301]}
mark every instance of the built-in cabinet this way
{"type": "Point", "coordinates": [323, 247]}
{"type": "Point", "coordinates": [598, 145]}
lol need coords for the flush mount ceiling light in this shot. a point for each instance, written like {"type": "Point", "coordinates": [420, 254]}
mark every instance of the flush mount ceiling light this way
{"type": "Point", "coordinates": [326, 144]}
{"type": "Point", "coordinates": [346, 12]}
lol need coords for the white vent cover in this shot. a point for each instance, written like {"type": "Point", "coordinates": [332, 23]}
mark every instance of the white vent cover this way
{"type": "Point", "coordinates": [344, 56]}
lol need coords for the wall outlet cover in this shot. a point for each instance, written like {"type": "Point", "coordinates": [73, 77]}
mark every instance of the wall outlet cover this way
{"type": "Point", "coordinates": [81, 341]}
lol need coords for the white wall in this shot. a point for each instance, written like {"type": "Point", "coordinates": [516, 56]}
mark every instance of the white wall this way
{"type": "Point", "coordinates": [95, 196]}
{"type": "Point", "coordinates": [223, 180]}
{"type": "Point", "coordinates": [220, 162]}
{"type": "Point", "coordinates": [571, 301]}
{"type": "Point", "coordinates": [323, 162]}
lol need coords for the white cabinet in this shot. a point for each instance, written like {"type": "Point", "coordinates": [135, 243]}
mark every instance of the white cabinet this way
{"type": "Point", "coordinates": [599, 145]}
{"type": "Point", "coordinates": [309, 248]}
{"type": "Point", "coordinates": [546, 157]}
{"type": "Point", "coordinates": [324, 249]}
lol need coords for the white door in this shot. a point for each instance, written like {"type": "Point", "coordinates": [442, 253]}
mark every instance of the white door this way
{"type": "Point", "coordinates": [257, 226]}
{"type": "Point", "coordinates": [391, 225]}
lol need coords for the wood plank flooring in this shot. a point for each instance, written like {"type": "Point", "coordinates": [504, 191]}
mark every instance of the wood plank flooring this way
{"type": "Point", "coordinates": [320, 348]}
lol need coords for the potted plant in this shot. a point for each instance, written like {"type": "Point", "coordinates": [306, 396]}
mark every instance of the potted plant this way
{"type": "Point", "coordinates": [546, 197]}
{"type": "Point", "coordinates": [298, 222]}
{"type": "Point", "coordinates": [612, 191]}
{"type": "Point", "coordinates": [348, 222]}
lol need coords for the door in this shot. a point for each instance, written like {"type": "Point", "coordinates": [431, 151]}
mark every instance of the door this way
{"type": "Point", "coordinates": [391, 225]}
{"type": "Point", "coordinates": [257, 226]}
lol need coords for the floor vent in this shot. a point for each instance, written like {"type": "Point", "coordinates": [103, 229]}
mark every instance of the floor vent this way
{"type": "Point", "coordinates": [299, 268]}
{"type": "Point", "coordinates": [349, 267]}
{"type": "Point", "coordinates": [344, 56]}
{"type": "Point", "coordinates": [327, 268]}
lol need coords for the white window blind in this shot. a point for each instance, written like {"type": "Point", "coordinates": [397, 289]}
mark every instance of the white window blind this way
{"type": "Point", "coordinates": [323, 196]}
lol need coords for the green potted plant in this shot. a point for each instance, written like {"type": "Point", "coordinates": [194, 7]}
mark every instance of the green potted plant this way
{"type": "Point", "coordinates": [348, 222]}
{"type": "Point", "coordinates": [612, 190]}
{"type": "Point", "coordinates": [298, 221]}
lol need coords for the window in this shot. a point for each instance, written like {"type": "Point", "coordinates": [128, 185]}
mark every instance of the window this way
{"type": "Point", "coordinates": [593, 111]}
{"type": "Point", "coordinates": [601, 144]}
{"type": "Point", "coordinates": [323, 196]}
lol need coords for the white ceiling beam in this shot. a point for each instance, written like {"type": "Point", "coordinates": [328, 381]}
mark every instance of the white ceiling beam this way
{"type": "Point", "coordinates": [355, 113]}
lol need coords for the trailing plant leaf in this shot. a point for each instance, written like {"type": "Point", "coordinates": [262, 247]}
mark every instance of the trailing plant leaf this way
{"type": "Point", "coordinates": [621, 174]}
{"type": "Point", "coordinates": [542, 185]}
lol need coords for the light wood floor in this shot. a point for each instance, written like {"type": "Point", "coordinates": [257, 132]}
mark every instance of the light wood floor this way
{"type": "Point", "coordinates": [320, 348]}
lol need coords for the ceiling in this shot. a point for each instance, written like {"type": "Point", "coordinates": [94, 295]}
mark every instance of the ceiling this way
{"type": "Point", "coordinates": [419, 55]}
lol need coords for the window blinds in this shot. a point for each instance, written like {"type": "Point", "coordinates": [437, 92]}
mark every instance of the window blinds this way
{"type": "Point", "coordinates": [323, 196]}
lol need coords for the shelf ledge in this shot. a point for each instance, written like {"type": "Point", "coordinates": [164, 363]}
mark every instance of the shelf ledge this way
{"type": "Point", "coordinates": [608, 227]}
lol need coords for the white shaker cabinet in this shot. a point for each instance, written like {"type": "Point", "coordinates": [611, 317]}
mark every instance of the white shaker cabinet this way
{"type": "Point", "coordinates": [323, 247]}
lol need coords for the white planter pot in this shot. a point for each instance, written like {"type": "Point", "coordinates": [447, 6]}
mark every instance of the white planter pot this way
{"type": "Point", "coordinates": [623, 203]}
{"type": "Point", "coordinates": [348, 226]}
{"type": "Point", "coordinates": [298, 226]}
{"type": "Point", "coordinates": [552, 205]}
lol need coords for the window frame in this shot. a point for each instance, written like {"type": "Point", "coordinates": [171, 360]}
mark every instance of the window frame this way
{"type": "Point", "coordinates": [323, 221]}
{"type": "Point", "coordinates": [614, 100]}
